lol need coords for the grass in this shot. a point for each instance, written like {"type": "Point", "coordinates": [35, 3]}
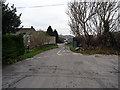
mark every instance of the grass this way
{"type": "Point", "coordinates": [73, 49]}
{"type": "Point", "coordinates": [29, 54]}
{"type": "Point", "coordinates": [36, 51]}
{"type": "Point", "coordinates": [93, 51]}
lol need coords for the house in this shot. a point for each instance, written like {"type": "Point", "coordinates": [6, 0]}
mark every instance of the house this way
{"type": "Point", "coordinates": [25, 30]}
{"type": "Point", "coordinates": [50, 40]}
{"type": "Point", "coordinates": [33, 38]}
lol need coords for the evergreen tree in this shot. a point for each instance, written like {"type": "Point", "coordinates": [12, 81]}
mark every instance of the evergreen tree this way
{"type": "Point", "coordinates": [50, 31]}
{"type": "Point", "coordinates": [56, 35]}
{"type": "Point", "coordinates": [10, 20]}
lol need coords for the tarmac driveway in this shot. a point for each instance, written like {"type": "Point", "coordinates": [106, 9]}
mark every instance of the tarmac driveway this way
{"type": "Point", "coordinates": [61, 68]}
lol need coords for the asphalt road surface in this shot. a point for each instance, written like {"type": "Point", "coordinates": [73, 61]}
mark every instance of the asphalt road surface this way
{"type": "Point", "coordinates": [61, 68]}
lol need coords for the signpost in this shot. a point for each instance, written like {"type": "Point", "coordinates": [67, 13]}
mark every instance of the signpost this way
{"type": "Point", "coordinates": [28, 42]}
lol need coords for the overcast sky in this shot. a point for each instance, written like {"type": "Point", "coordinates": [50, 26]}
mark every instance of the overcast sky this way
{"type": "Point", "coordinates": [42, 17]}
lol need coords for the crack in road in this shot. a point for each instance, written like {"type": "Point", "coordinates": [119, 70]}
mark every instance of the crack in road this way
{"type": "Point", "coordinates": [61, 68]}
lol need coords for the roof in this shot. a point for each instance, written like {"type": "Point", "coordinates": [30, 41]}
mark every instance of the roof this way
{"type": "Point", "coordinates": [25, 30]}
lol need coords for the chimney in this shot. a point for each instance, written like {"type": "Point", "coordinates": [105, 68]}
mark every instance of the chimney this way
{"type": "Point", "coordinates": [31, 27]}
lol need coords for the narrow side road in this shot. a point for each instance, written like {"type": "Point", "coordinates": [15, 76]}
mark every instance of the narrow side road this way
{"type": "Point", "coordinates": [62, 68]}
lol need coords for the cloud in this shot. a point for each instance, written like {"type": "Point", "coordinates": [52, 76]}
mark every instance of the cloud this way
{"type": "Point", "coordinates": [42, 17]}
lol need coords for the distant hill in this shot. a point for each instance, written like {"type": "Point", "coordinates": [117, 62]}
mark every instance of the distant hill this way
{"type": "Point", "coordinates": [66, 36]}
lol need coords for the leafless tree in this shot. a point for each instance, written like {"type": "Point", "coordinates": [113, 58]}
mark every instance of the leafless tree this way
{"type": "Point", "coordinates": [96, 25]}
{"type": "Point", "coordinates": [91, 17]}
{"type": "Point", "coordinates": [94, 18]}
{"type": "Point", "coordinates": [80, 14]}
{"type": "Point", "coordinates": [37, 38]}
{"type": "Point", "coordinates": [108, 13]}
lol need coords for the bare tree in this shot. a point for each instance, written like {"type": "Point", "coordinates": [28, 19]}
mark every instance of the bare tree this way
{"type": "Point", "coordinates": [94, 18]}
{"type": "Point", "coordinates": [96, 25]}
{"type": "Point", "coordinates": [37, 38]}
{"type": "Point", "coordinates": [108, 13]}
{"type": "Point", "coordinates": [83, 16]}
{"type": "Point", "coordinates": [80, 14]}
{"type": "Point", "coordinates": [108, 18]}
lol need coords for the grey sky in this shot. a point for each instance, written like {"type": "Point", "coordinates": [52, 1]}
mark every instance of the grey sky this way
{"type": "Point", "coordinates": [42, 17]}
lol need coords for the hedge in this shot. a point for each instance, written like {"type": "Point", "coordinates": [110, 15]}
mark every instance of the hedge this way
{"type": "Point", "coordinates": [12, 47]}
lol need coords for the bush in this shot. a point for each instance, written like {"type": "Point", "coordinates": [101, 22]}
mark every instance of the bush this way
{"type": "Point", "coordinates": [108, 43]}
{"type": "Point", "coordinates": [117, 38]}
{"type": "Point", "coordinates": [20, 45]}
{"type": "Point", "coordinates": [60, 40]}
{"type": "Point", "coordinates": [12, 46]}
{"type": "Point", "coordinates": [36, 39]}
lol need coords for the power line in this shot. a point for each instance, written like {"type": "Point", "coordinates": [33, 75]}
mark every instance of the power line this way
{"type": "Point", "coordinates": [41, 6]}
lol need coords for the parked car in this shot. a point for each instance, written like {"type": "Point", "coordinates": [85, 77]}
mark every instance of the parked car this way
{"type": "Point", "coordinates": [69, 42]}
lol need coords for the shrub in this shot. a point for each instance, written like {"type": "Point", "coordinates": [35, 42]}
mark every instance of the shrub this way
{"type": "Point", "coordinates": [12, 46]}
{"type": "Point", "coordinates": [117, 38]}
{"type": "Point", "coordinates": [20, 45]}
{"type": "Point", "coordinates": [36, 39]}
{"type": "Point", "coordinates": [60, 40]}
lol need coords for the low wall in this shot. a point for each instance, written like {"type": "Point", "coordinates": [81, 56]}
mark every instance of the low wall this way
{"type": "Point", "coordinates": [51, 40]}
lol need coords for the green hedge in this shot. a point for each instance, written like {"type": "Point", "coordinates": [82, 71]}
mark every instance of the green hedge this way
{"type": "Point", "coordinates": [12, 46]}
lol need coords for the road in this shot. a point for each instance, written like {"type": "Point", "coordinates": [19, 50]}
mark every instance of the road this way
{"type": "Point", "coordinates": [61, 68]}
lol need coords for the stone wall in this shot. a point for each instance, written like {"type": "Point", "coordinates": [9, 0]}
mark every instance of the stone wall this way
{"type": "Point", "coordinates": [50, 40]}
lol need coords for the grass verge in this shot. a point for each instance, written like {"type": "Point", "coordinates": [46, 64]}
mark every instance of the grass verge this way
{"type": "Point", "coordinates": [73, 49]}
{"type": "Point", "coordinates": [93, 51]}
{"type": "Point", "coordinates": [36, 51]}
{"type": "Point", "coordinates": [30, 54]}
